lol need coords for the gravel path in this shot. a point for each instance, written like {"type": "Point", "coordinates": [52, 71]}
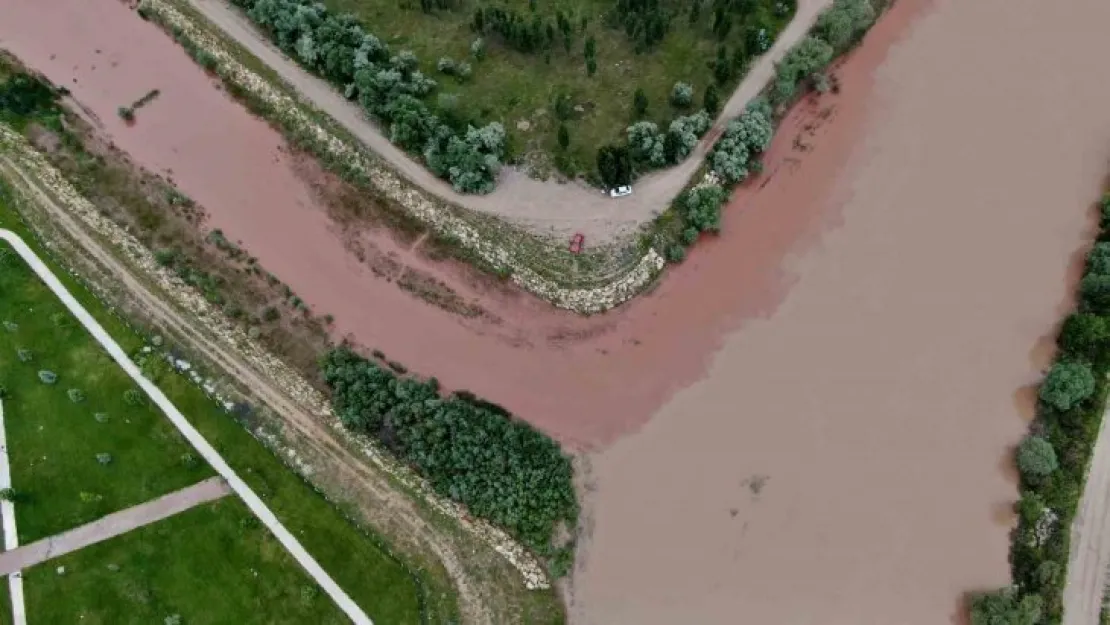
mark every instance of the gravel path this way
{"type": "Point", "coordinates": [115, 524]}
{"type": "Point", "coordinates": [11, 537]}
{"type": "Point", "coordinates": [547, 207]}
{"type": "Point", "coordinates": [256, 505]}
{"type": "Point", "coordinates": [1089, 558]}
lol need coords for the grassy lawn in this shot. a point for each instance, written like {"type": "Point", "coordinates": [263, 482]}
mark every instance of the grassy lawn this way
{"type": "Point", "coordinates": [54, 441]}
{"type": "Point", "coordinates": [358, 561]}
{"type": "Point", "coordinates": [511, 86]}
{"type": "Point", "coordinates": [212, 564]}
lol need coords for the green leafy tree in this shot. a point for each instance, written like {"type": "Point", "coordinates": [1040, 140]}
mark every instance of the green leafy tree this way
{"type": "Point", "coordinates": [1036, 457]}
{"type": "Point", "coordinates": [1067, 384]}
{"type": "Point", "coordinates": [1098, 260]}
{"type": "Point", "coordinates": [808, 57]}
{"type": "Point", "coordinates": [844, 22]}
{"type": "Point", "coordinates": [701, 207]}
{"type": "Point", "coordinates": [647, 145]}
{"type": "Point", "coordinates": [614, 165]}
{"type": "Point", "coordinates": [1094, 293]}
{"type": "Point", "coordinates": [743, 137]}
{"type": "Point", "coordinates": [564, 136]}
{"type": "Point", "coordinates": [1084, 335]}
{"type": "Point", "coordinates": [591, 66]}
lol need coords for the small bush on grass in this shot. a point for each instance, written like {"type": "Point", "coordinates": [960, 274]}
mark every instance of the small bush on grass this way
{"type": "Point", "coordinates": [1005, 607]}
{"type": "Point", "coordinates": [24, 355]}
{"type": "Point", "coordinates": [132, 397]}
{"type": "Point", "coordinates": [48, 377]}
{"type": "Point", "coordinates": [76, 395]}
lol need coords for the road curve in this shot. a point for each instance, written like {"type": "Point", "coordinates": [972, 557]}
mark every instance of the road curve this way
{"type": "Point", "coordinates": [209, 453]}
{"type": "Point", "coordinates": [546, 206]}
{"type": "Point", "coordinates": [1089, 558]}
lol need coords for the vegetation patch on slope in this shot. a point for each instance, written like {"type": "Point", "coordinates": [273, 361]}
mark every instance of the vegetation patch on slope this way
{"type": "Point", "coordinates": [1054, 457]}
{"type": "Point", "coordinates": [470, 450]}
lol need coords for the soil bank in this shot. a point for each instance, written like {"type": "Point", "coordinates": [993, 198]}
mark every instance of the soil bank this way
{"type": "Point", "coordinates": [847, 459]}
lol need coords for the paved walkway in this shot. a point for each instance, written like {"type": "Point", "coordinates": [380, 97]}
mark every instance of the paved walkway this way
{"type": "Point", "coordinates": [210, 455]}
{"type": "Point", "coordinates": [113, 525]}
{"type": "Point", "coordinates": [11, 538]}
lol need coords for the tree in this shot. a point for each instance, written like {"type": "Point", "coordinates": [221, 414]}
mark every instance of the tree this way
{"type": "Point", "coordinates": [1005, 607]}
{"type": "Point", "coordinates": [1098, 260]}
{"type": "Point", "coordinates": [683, 135]}
{"type": "Point", "coordinates": [1067, 384]}
{"type": "Point", "coordinates": [844, 22]}
{"type": "Point", "coordinates": [809, 56]}
{"type": "Point", "coordinates": [590, 49]}
{"type": "Point", "coordinates": [711, 101]}
{"type": "Point", "coordinates": [682, 94]}
{"type": "Point", "coordinates": [591, 66]}
{"type": "Point", "coordinates": [701, 207]}
{"type": "Point", "coordinates": [1094, 293]}
{"type": "Point", "coordinates": [743, 137]}
{"type": "Point", "coordinates": [646, 144]}
{"type": "Point", "coordinates": [640, 102]}
{"type": "Point", "coordinates": [614, 165]}
{"type": "Point", "coordinates": [1084, 335]}
{"type": "Point", "coordinates": [564, 136]}
{"type": "Point", "coordinates": [1036, 457]}
{"type": "Point", "coordinates": [478, 49]}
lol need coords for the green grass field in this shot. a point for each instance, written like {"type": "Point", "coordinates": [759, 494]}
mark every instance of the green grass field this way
{"type": "Point", "coordinates": [54, 442]}
{"type": "Point", "coordinates": [355, 559]}
{"type": "Point", "coordinates": [511, 86]}
{"type": "Point", "coordinates": [212, 564]}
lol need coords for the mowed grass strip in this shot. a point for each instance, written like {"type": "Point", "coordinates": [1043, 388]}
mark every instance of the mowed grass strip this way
{"type": "Point", "coordinates": [89, 443]}
{"type": "Point", "coordinates": [357, 559]}
{"type": "Point", "coordinates": [212, 564]}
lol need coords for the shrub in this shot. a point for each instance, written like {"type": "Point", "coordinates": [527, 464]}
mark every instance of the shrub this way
{"type": "Point", "coordinates": [808, 57]}
{"type": "Point", "coordinates": [24, 355]}
{"type": "Point", "coordinates": [682, 94]}
{"type": "Point", "coordinates": [701, 207]}
{"type": "Point", "coordinates": [48, 377]}
{"type": "Point", "coordinates": [711, 100]}
{"type": "Point", "coordinates": [76, 395]}
{"type": "Point", "coordinates": [1005, 607]}
{"type": "Point", "coordinates": [478, 49]}
{"type": "Point", "coordinates": [446, 66]}
{"type": "Point", "coordinates": [523, 482]}
{"type": "Point", "coordinates": [11, 326]}
{"type": "Point", "coordinates": [1035, 457]}
{"type": "Point", "coordinates": [676, 253]}
{"type": "Point", "coordinates": [104, 458]}
{"type": "Point", "coordinates": [1067, 384]}
{"type": "Point", "coordinates": [744, 137]}
{"type": "Point", "coordinates": [564, 136]}
{"type": "Point", "coordinates": [8, 494]}
{"type": "Point", "coordinates": [3, 392]}
{"type": "Point", "coordinates": [132, 397]}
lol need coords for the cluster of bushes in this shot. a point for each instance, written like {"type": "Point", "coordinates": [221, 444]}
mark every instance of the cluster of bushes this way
{"type": "Point", "coordinates": [389, 87]}
{"type": "Point", "coordinates": [651, 149]}
{"type": "Point", "coordinates": [837, 29]}
{"type": "Point", "coordinates": [1053, 458]}
{"type": "Point", "coordinates": [647, 22]}
{"type": "Point", "coordinates": [744, 138]}
{"type": "Point", "coordinates": [23, 96]}
{"type": "Point", "coordinates": [472, 451]}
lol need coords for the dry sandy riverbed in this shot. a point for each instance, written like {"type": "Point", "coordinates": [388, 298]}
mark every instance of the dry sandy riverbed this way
{"type": "Point", "coordinates": [846, 458]}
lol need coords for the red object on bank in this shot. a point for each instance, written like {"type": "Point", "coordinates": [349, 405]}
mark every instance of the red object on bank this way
{"type": "Point", "coordinates": [576, 243]}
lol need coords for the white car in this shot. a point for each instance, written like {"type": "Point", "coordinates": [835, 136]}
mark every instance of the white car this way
{"type": "Point", "coordinates": [620, 191]}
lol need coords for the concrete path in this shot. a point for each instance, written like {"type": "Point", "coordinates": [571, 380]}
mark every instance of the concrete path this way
{"type": "Point", "coordinates": [113, 525]}
{"type": "Point", "coordinates": [547, 207]}
{"type": "Point", "coordinates": [210, 455]}
{"type": "Point", "coordinates": [1089, 558]}
{"type": "Point", "coordinates": [11, 538]}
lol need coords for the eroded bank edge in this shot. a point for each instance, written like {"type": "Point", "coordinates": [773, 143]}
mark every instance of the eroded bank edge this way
{"type": "Point", "coordinates": [32, 164]}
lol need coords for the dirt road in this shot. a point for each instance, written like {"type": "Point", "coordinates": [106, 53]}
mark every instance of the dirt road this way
{"type": "Point", "coordinates": [1089, 560]}
{"type": "Point", "coordinates": [546, 207]}
{"type": "Point", "coordinates": [115, 524]}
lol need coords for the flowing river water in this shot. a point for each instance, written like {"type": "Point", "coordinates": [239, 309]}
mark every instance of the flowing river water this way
{"type": "Point", "coordinates": [810, 420]}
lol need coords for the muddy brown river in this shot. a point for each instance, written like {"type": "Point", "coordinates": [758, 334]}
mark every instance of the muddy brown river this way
{"type": "Point", "coordinates": [808, 422]}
